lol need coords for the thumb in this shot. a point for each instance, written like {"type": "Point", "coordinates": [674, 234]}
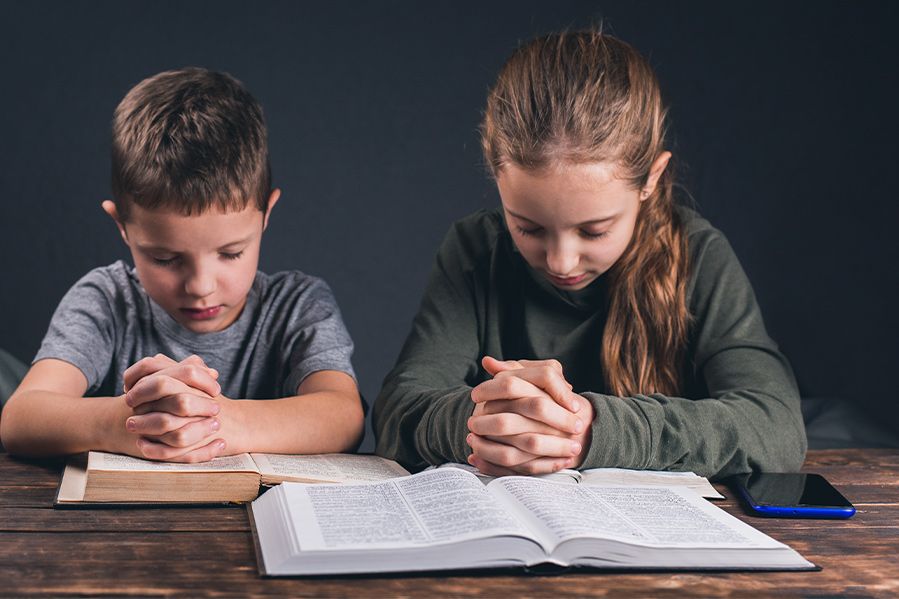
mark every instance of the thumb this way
{"type": "Point", "coordinates": [494, 366]}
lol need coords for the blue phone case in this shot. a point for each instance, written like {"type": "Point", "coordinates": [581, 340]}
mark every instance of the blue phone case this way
{"type": "Point", "coordinates": [796, 511]}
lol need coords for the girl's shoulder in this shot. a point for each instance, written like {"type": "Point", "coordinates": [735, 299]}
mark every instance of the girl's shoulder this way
{"type": "Point", "coordinates": [473, 237]}
{"type": "Point", "coordinates": [702, 236]}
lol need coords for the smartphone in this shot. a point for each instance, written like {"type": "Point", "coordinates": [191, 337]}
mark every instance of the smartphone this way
{"type": "Point", "coordinates": [791, 495]}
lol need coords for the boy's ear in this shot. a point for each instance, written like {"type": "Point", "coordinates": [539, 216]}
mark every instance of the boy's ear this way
{"type": "Point", "coordinates": [110, 209]}
{"type": "Point", "coordinates": [272, 200]}
{"type": "Point", "coordinates": [655, 173]}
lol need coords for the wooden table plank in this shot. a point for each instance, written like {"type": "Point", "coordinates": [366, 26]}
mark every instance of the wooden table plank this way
{"type": "Point", "coordinates": [208, 551]}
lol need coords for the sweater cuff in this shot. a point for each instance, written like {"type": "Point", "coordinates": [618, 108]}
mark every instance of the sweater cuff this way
{"type": "Point", "coordinates": [447, 428]}
{"type": "Point", "coordinates": [618, 438]}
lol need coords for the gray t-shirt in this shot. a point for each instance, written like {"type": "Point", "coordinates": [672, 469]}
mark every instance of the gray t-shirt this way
{"type": "Point", "coordinates": [290, 327]}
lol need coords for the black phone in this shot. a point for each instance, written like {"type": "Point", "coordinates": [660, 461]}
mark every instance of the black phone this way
{"type": "Point", "coordinates": [791, 495]}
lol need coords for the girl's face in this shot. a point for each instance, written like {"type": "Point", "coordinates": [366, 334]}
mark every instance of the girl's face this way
{"type": "Point", "coordinates": [572, 222]}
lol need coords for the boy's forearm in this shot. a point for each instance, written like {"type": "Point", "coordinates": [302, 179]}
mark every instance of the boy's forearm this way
{"type": "Point", "coordinates": [319, 422]}
{"type": "Point", "coordinates": [43, 423]}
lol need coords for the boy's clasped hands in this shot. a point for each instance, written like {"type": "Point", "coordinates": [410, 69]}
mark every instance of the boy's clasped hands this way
{"type": "Point", "coordinates": [527, 419]}
{"type": "Point", "coordinates": [178, 409]}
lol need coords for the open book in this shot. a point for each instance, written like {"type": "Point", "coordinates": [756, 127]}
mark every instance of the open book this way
{"type": "Point", "coordinates": [446, 519]}
{"type": "Point", "coordinates": [102, 477]}
{"type": "Point", "coordinates": [615, 476]}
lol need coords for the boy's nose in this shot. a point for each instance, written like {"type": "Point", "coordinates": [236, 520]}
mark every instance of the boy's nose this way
{"type": "Point", "coordinates": [200, 284]}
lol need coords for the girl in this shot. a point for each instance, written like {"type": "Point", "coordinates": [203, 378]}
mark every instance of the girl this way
{"type": "Point", "coordinates": [590, 322]}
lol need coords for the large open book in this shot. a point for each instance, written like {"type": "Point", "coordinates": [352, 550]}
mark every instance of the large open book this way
{"type": "Point", "coordinates": [446, 519]}
{"type": "Point", "coordinates": [102, 477]}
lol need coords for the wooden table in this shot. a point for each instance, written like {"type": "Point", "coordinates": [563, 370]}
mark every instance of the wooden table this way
{"type": "Point", "coordinates": [209, 551]}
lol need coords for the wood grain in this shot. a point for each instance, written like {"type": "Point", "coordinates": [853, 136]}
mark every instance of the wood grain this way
{"type": "Point", "coordinates": [209, 552]}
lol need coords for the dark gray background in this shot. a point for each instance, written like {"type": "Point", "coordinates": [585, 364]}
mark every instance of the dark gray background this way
{"type": "Point", "coordinates": [784, 118]}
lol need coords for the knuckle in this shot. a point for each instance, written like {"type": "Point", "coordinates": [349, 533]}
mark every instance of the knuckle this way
{"type": "Point", "coordinates": [530, 443]}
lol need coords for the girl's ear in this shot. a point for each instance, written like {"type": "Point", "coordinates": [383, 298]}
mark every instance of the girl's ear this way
{"type": "Point", "coordinates": [655, 173]}
{"type": "Point", "coordinates": [272, 200]}
{"type": "Point", "coordinates": [109, 208]}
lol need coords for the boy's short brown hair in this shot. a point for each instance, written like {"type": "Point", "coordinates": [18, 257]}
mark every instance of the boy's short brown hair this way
{"type": "Point", "coordinates": [189, 140]}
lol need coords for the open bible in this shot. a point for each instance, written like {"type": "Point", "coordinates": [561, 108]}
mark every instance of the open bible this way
{"type": "Point", "coordinates": [99, 477]}
{"type": "Point", "coordinates": [446, 519]}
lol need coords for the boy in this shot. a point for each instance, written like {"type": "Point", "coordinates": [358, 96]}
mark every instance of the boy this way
{"type": "Point", "coordinates": [177, 346]}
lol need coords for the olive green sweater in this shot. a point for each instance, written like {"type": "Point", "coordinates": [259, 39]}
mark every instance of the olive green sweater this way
{"type": "Point", "coordinates": [740, 406]}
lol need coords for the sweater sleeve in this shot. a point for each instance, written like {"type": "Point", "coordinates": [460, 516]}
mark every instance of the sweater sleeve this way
{"type": "Point", "coordinates": [420, 416]}
{"type": "Point", "coordinates": [751, 419]}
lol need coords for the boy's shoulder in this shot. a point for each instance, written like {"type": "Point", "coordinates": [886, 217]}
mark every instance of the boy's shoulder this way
{"type": "Point", "coordinates": [115, 281]}
{"type": "Point", "coordinates": [290, 286]}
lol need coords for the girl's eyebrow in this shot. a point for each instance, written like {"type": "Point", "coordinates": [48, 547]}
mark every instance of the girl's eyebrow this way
{"type": "Point", "coordinates": [594, 221]}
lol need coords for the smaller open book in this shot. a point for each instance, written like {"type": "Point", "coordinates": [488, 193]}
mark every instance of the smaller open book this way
{"type": "Point", "coordinates": [448, 519]}
{"type": "Point", "coordinates": [108, 478]}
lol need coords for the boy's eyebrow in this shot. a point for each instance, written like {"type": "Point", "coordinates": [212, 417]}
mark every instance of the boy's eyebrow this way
{"type": "Point", "coordinates": [162, 248]}
{"type": "Point", "coordinates": [595, 221]}
{"type": "Point", "coordinates": [231, 244]}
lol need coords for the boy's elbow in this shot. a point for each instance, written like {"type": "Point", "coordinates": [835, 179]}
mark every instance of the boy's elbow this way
{"type": "Point", "coordinates": [353, 422]}
{"type": "Point", "coordinates": [12, 438]}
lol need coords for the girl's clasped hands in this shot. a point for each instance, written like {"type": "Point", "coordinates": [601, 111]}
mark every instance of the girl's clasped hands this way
{"type": "Point", "coordinates": [527, 419]}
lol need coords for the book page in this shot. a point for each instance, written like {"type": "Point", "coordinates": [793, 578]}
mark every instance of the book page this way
{"type": "Point", "coordinates": [332, 467]}
{"type": "Point", "coordinates": [565, 475]}
{"type": "Point", "coordinates": [423, 509]}
{"type": "Point", "coordinates": [654, 516]}
{"type": "Point", "coordinates": [650, 478]}
{"type": "Point", "coordinates": [98, 460]}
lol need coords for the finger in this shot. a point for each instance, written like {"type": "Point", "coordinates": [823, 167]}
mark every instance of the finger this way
{"type": "Point", "coordinates": [181, 404]}
{"type": "Point", "coordinates": [548, 379]}
{"type": "Point", "coordinates": [152, 450]}
{"type": "Point", "coordinates": [541, 445]}
{"type": "Point", "coordinates": [492, 365]}
{"type": "Point", "coordinates": [145, 367]}
{"type": "Point", "coordinates": [157, 423]}
{"type": "Point", "coordinates": [197, 376]}
{"type": "Point", "coordinates": [190, 434]}
{"type": "Point", "coordinates": [489, 468]}
{"type": "Point", "coordinates": [507, 423]}
{"type": "Point", "coordinates": [180, 378]}
{"type": "Point", "coordinates": [198, 361]}
{"type": "Point", "coordinates": [505, 388]}
{"type": "Point", "coordinates": [542, 409]}
{"type": "Point", "coordinates": [552, 363]}
{"type": "Point", "coordinates": [153, 388]}
{"type": "Point", "coordinates": [543, 466]}
{"type": "Point", "coordinates": [500, 454]}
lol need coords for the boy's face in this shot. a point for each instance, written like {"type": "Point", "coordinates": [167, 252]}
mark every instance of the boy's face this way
{"type": "Point", "coordinates": [199, 268]}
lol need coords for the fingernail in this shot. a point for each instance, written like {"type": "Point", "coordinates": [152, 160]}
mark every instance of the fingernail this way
{"type": "Point", "coordinates": [216, 408]}
{"type": "Point", "coordinates": [575, 448]}
{"type": "Point", "coordinates": [576, 406]}
{"type": "Point", "coordinates": [470, 459]}
{"type": "Point", "coordinates": [469, 438]}
{"type": "Point", "coordinates": [220, 446]}
{"type": "Point", "coordinates": [213, 372]}
{"type": "Point", "coordinates": [578, 425]}
{"type": "Point", "coordinates": [131, 425]}
{"type": "Point", "coordinates": [215, 425]}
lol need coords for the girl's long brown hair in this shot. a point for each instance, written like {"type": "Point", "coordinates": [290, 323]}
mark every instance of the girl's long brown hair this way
{"type": "Point", "coordinates": [580, 97]}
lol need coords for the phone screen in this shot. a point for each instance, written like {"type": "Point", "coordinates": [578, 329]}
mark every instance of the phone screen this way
{"type": "Point", "coordinates": [793, 495]}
